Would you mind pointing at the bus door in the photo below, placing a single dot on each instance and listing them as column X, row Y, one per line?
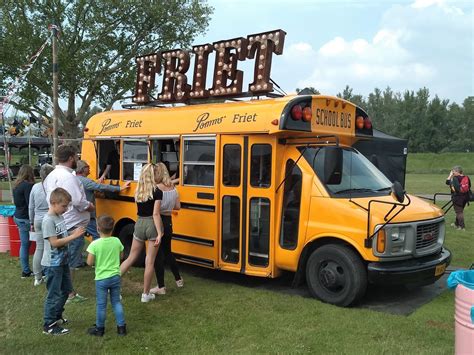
column 246, row 192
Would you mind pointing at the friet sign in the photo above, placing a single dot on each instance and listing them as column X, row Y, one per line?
column 227, row 79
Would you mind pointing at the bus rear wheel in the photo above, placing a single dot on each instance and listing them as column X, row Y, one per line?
column 126, row 237
column 335, row 274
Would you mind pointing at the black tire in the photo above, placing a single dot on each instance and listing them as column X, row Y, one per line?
column 335, row 274
column 126, row 237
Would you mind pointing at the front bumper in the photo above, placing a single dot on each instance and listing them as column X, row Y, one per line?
column 420, row 271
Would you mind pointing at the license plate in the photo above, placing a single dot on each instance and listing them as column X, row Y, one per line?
column 440, row 269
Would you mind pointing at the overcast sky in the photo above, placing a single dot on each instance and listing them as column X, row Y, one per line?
column 365, row 44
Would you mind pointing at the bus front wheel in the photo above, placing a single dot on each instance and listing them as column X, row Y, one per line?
column 335, row 274
column 126, row 237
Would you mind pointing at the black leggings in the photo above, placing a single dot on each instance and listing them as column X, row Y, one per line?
column 165, row 254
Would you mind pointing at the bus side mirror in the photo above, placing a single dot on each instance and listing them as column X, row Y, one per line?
column 332, row 165
column 397, row 192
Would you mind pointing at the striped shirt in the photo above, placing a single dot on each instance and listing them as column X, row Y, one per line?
column 169, row 201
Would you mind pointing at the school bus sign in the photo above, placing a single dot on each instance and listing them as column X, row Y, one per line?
column 227, row 79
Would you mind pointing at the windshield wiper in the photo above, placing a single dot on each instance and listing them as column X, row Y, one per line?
column 353, row 190
column 384, row 189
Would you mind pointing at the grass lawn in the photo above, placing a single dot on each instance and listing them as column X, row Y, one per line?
column 211, row 316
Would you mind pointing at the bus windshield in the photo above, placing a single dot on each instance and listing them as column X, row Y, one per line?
column 358, row 176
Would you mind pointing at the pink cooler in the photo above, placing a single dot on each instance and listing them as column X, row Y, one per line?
column 4, row 235
column 464, row 327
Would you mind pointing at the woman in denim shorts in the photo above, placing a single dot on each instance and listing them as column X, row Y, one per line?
column 149, row 226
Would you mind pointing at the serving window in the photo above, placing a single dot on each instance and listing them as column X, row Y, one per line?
column 135, row 156
column 166, row 150
column 199, row 156
column 108, row 154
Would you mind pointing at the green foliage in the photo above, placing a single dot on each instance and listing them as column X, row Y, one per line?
column 97, row 45
column 430, row 125
column 430, row 163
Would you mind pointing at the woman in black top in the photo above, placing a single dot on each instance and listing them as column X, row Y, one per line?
column 21, row 197
column 149, row 226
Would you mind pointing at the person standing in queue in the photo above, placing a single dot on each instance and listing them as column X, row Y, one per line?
column 21, row 198
column 90, row 186
column 149, row 226
column 169, row 203
column 78, row 212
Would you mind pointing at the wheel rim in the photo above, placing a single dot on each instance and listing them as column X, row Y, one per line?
column 331, row 276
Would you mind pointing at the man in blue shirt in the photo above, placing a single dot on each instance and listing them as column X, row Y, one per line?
column 90, row 186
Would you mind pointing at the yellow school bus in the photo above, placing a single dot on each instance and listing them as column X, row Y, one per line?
column 271, row 185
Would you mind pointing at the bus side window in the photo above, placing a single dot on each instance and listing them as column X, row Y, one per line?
column 109, row 154
column 290, row 214
column 135, row 156
column 198, row 161
column 231, row 165
column 261, row 165
column 167, row 152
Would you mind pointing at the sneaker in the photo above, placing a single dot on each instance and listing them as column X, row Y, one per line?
column 24, row 275
column 62, row 321
column 454, row 225
column 96, row 331
column 40, row 281
column 55, row 329
column 158, row 290
column 460, row 229
column 77, row 298
column 147, row 297
column 180, row 283
column 122, row 330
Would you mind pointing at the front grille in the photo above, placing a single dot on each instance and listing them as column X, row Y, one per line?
column 427, row 235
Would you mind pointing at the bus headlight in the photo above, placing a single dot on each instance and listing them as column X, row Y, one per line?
column 396, row 234
column 395, row 241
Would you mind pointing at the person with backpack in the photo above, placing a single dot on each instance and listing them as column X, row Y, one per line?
column 460, row 186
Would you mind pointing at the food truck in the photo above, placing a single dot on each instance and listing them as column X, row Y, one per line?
column 269, row 184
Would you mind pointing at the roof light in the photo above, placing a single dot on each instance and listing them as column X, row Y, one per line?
column 296, row 112
column 307, row 114
column 367, row 123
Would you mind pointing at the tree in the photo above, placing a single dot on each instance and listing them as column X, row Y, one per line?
column 347, row 95
column 97, row 45
column 308, row 91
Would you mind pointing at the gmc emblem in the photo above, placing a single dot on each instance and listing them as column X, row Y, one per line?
column 427, row 237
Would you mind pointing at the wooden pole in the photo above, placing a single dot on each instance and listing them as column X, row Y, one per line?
column 55, row 90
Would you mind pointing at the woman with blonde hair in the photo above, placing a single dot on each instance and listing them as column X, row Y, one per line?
column 149, row 226
column 21, row 197
column 169, row 202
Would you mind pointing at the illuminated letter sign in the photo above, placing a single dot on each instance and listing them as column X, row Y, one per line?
column 175, row 82
column 147, row 67
column 261, row 46
column 227, row 79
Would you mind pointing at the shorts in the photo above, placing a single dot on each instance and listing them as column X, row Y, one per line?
column 145, row 229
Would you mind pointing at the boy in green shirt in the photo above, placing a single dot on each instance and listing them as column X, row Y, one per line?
column 106, row 252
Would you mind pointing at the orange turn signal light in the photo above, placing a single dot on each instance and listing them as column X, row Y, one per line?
column 359, row 122
column 381, row 241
